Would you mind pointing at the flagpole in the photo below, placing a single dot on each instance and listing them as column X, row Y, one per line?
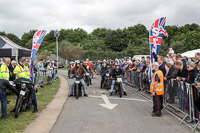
column 57, row 34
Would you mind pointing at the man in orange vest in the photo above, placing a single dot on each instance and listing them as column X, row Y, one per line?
column 157, row 89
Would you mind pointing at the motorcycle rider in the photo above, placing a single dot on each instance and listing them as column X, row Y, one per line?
column 3, row 85
column 70, row 67
column 117, row 71
column 102, row 72
column 78, row 69
column 88, row 70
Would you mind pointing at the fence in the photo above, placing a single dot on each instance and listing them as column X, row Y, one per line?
column 178, row 95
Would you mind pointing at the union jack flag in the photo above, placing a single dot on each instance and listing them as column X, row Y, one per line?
column 37, row 41
column 156, row 33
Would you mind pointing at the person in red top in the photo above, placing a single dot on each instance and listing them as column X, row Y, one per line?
column 89, row 63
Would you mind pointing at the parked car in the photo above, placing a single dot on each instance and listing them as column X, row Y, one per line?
column 60, row 65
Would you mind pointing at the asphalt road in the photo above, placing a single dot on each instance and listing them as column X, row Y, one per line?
column 131, row 115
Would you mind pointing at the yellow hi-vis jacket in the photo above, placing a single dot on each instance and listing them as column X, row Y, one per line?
column 26, row 68
column 160, row 87
column 4, row 72
column 19, row 70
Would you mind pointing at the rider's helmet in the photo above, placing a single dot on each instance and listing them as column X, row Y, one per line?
column 104, row 64
column 116, row 63
column 77, row 62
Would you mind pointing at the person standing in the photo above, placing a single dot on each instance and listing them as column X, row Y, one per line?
column 19, row 70
column 26, row 68
column 40, row 67
column 157, row 89
column 3, row 85
column 11, row 69
column 4, row 69
column 172, row 74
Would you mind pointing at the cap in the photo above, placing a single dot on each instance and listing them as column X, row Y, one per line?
column 22, row 60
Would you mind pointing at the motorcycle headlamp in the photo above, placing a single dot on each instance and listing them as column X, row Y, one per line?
column 23, row 85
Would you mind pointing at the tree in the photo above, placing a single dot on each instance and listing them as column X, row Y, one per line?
column 13, row 37
column 70, row 52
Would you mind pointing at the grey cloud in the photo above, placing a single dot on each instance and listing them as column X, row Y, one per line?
column 21, row 16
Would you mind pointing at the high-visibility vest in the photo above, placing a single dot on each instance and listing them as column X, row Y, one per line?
column 4, row 72
column 26, row 68
column 160, row 87
column 0, row 73
column 88, row 68
column 20, row 71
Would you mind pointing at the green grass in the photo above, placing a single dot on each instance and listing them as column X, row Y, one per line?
column 13, row 125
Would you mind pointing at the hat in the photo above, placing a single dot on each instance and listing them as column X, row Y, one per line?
column 22, row 60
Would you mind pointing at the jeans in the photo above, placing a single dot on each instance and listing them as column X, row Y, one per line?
column 113, row 84
column 34, row 100
column 3, row 103
column 72, row 85
column 39, row 78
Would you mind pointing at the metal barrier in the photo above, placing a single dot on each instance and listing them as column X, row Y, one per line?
column 178, row 95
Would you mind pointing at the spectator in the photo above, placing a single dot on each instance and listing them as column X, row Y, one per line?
column 49, row 72
column 182, row 73
column 179, row 57
column 197, row 57
column 173, row 57
column 162, row 65
column 197, row 81
column 197, row 78
column 173, row 71
column 170, row 76
column 144, row 66
column 140, row 65
column 11, row 69
column 191, row 73
column 40, row 68
column 171, row 51
column 148, row 59
column 1, row 61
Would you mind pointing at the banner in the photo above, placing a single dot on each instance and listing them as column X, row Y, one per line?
column 37, row 40
column 155, row 38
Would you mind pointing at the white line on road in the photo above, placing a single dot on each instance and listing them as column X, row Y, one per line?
column 94, row 91
column 101, row 91
column 129, row 99
column 108, row 105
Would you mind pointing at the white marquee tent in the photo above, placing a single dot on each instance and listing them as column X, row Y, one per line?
column 190, row 53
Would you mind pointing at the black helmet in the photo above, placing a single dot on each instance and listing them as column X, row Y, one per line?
column 77, row 62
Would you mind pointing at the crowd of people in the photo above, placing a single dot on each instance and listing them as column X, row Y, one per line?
column 11, row 70
column 164, row 69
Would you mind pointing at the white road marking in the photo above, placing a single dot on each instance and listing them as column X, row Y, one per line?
column 108, row 105
column 102, row 91
column 94, row 91
column 115, row 98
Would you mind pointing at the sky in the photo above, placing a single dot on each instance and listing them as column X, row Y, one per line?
column 20, row 16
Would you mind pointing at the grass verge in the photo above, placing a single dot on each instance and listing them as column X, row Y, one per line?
column 44, row 96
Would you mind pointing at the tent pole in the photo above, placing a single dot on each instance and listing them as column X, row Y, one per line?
column 16, row 58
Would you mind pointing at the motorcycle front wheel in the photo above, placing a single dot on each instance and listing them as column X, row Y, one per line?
column 18, row 107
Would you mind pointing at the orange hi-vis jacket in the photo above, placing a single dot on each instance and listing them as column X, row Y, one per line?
column 160, row 87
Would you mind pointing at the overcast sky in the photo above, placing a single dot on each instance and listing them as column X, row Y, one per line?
column 19, row 16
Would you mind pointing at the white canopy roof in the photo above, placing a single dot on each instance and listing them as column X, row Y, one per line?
column 190, row 53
